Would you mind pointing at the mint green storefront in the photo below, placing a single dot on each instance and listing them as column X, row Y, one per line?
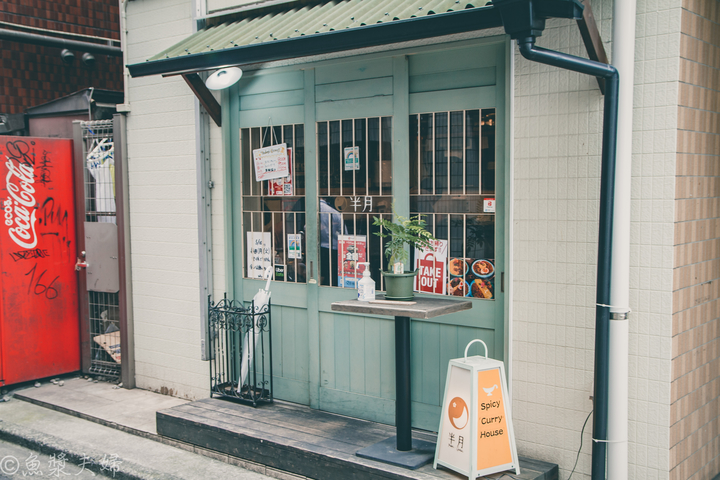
column 431, row 125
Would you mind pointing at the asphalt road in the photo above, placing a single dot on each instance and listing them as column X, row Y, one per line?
column 19, row 462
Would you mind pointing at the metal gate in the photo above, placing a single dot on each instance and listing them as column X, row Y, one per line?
column 98, row 248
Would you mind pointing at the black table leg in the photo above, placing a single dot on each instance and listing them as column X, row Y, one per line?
column 401, row 450
column 403, row 415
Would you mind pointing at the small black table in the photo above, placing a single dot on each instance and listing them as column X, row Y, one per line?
column 402, row 450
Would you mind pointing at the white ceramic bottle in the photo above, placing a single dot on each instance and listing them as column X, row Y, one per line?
column 366, row 286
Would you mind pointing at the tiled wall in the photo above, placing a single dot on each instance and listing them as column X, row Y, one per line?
column 163, row 210
column 695, row 393
column 557, row 147
column 32, row 74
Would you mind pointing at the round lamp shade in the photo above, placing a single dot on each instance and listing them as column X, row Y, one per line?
column 223, row 78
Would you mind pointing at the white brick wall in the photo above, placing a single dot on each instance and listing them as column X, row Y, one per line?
column 163, row 209
column 558, row 132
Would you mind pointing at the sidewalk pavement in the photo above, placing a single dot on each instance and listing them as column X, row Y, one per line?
column 97, row 427
column 108, row 430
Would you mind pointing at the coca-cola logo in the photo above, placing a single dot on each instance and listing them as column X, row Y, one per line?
column 20, row 205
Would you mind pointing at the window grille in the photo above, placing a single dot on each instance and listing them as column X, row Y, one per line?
column 354, row 184
column 452, row 187
column 273, row 213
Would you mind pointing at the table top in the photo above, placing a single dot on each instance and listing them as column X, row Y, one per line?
column 423, row 307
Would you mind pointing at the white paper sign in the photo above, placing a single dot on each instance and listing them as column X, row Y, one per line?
column 294, row 245
column 352, row 158
column 271, row 162
column 259, row 253
column 489, row 205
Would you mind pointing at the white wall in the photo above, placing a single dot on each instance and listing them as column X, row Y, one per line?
column 163, row 209
column 558, row 135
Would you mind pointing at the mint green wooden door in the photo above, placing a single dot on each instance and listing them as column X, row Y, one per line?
column 345, row 363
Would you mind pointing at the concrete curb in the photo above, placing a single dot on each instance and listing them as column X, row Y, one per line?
column 93, row 458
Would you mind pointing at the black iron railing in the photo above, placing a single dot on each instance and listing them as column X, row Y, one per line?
column 240, row 351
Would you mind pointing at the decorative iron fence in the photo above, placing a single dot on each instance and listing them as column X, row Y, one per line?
column 240, row 351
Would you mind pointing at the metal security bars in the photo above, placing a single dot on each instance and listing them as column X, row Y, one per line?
column 99, row 187
column 274, row 210
column 453, row 153
column 354, row 184
column 105, row 331
column 452, row 186
column 98, row 149
column 240, row 351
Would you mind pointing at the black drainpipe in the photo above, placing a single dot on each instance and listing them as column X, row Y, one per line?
column 607, row 188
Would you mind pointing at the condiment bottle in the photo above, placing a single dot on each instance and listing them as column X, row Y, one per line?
column 366, row 286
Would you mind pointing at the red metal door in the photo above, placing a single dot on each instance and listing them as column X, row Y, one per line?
column 39, row 321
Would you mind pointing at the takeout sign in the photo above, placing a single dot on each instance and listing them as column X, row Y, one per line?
column 431, row 268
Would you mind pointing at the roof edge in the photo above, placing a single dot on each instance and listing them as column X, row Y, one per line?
column 480, row 18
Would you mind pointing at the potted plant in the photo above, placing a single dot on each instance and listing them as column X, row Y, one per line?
column 403, row 231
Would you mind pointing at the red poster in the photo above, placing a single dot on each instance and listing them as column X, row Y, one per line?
column 431, row 268
column 39, row 326
column 351, row 254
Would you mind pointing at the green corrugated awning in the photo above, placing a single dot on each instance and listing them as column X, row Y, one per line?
column 309, row 20
column 316, row 28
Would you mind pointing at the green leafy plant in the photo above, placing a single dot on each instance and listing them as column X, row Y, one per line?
column 403, row 231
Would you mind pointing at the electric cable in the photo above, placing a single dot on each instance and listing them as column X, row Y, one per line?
column 582, row 431
column 581, row 441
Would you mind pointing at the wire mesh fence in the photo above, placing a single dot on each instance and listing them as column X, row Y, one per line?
column 99, row 188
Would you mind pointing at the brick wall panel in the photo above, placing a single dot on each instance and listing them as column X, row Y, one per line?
column 696, row 336
column 32, row 74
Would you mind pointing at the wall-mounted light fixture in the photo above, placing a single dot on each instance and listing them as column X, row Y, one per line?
column 88, row 59
column 67, row 56
column 223, row 78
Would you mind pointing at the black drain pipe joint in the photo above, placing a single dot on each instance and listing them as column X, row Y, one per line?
column 607, row 188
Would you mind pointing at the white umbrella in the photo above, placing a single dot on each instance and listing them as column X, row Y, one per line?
column 260, row 300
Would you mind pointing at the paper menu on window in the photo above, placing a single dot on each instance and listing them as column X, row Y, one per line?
column 284, row 185
column 352, row 158
column 294, row 245
column 271, row 162
column 259, row 253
